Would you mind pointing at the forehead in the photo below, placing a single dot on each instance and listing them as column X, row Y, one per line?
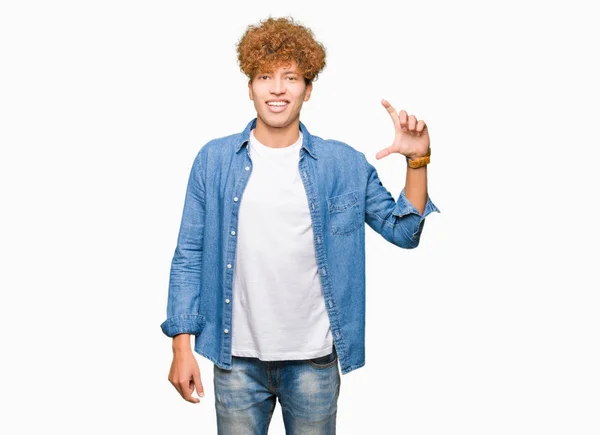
column 282, row 67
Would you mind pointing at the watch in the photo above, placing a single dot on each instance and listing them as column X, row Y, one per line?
column 421, row 161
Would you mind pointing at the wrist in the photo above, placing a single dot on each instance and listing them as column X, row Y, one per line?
column 415, row 162
column 182, row 349
column 418, row 156
column 181, row 343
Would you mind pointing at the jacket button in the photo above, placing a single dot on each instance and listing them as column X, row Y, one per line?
column 229, row 266
column 226, row 331
column 247, row 168
column 233, row 233
column 235, row 199
column 226, row 301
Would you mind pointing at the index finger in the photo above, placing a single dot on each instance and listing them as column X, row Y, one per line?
column 393, row 114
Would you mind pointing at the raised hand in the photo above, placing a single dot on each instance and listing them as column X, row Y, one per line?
column 411, row 138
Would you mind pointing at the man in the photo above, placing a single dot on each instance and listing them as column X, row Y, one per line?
column 269, row 269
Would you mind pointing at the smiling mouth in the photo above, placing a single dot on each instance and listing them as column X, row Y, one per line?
column 277, row 107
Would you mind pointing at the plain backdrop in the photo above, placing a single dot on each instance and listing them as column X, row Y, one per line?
column 489, row 327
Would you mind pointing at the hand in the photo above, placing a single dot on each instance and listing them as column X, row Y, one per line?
column 412, row 136
column 185, row 374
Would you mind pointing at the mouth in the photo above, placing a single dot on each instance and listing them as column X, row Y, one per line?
column 277, row 106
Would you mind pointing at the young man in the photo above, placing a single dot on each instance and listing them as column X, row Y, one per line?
column 269, row 269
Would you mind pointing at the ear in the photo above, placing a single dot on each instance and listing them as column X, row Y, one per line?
column 308, row 91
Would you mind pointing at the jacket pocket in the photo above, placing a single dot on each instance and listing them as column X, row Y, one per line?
column 344, row 213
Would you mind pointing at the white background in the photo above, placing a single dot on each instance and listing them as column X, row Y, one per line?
column 490, row 326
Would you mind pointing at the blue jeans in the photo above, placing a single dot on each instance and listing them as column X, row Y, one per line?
column 308, row 390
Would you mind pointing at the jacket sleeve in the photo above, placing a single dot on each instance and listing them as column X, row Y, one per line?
column 399, row 222
column 183, row 305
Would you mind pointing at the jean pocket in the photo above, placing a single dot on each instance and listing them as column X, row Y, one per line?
column 323, row 362
column 344, row 213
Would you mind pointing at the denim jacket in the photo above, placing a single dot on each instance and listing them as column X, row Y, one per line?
column 343, row 191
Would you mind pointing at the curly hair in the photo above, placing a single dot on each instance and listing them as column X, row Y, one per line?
column 277, row 41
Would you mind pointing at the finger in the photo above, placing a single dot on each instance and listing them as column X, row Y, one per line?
column 412, row 123
column 390, row 109
column 421, row 126
column 198, row 384
column 403, row 119
column 188, row 389
column 383, row 153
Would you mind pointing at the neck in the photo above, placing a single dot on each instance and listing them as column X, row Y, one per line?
column 277, row 137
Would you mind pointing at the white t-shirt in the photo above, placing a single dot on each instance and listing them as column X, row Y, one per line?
column 278, row 305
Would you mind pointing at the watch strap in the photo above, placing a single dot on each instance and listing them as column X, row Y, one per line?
column 419, row 162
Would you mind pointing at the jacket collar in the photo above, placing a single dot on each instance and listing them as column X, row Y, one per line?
column 307, row 143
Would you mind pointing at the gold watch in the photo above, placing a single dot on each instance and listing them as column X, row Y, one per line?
column 421, row 161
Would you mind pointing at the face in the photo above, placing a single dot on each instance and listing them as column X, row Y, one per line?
column 285, row 84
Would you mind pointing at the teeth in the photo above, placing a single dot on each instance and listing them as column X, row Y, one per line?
column 277, row 103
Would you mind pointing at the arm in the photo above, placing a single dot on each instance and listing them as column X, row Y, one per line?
column 399, row 222
column 183, row 307
column 416, row 187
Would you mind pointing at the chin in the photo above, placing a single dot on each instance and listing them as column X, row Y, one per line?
column 272, row 120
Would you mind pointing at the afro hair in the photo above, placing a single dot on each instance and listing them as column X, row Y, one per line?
column 278, row 41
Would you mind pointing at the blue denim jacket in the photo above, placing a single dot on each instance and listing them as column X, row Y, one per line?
column 343, row 191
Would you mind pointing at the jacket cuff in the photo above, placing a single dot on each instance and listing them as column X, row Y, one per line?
column 404, row 207
column 183, row 324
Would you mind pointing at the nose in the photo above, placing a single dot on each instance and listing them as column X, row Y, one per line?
column 277, row 86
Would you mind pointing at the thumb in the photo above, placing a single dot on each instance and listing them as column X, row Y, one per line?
column 198, row 383
column 384, row 153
